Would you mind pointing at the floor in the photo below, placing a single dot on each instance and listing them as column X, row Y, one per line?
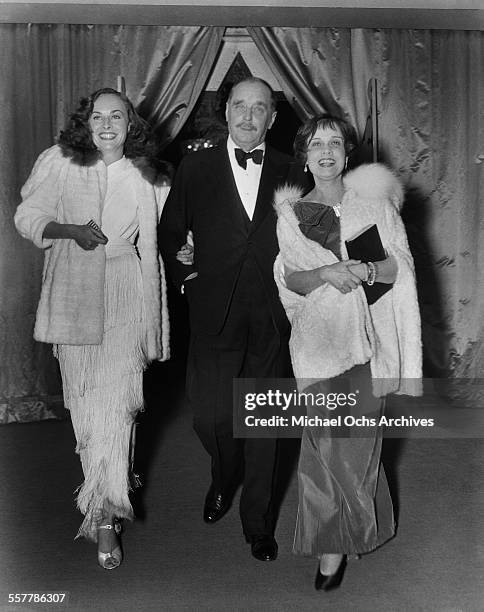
column 173, row 561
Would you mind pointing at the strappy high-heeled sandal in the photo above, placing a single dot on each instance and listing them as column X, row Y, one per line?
column 116, row 555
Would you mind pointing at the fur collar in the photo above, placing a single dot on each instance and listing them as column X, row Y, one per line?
column 157, row 172
column 368, row 181
column 375, row 182
column 80, row 156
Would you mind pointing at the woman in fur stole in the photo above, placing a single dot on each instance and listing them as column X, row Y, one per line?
column 92, row 202
column 341, row 344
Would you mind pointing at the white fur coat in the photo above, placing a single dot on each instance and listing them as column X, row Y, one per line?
column 332, row 331
column 71, row 306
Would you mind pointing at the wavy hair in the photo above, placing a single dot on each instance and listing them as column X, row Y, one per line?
column 76, row 141
column 307, row 130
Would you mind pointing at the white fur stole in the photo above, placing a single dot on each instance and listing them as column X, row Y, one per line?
column 331, row 331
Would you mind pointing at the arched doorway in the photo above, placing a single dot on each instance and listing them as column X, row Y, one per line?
column 238, row 58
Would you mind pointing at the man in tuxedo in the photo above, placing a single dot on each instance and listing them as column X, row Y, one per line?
column 238, row 326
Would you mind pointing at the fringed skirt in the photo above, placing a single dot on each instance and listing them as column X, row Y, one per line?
column 103, row 389
column 344, row 501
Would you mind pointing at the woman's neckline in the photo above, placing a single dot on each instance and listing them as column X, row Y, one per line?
column 335, row 207
column 336, row 204
column 118, row 164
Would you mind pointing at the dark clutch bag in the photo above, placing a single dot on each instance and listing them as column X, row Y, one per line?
column 367, row 246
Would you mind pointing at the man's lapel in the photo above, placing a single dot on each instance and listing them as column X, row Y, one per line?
column 271, row 175
column 226, row 189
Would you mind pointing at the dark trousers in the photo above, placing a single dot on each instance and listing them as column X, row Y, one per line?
column 249, row 345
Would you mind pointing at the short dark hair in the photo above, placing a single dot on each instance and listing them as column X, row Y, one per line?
column 76, row 138
column 307, row 130
column 255, row 80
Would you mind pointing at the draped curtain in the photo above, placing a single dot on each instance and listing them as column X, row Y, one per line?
column 44, row 71
column 431, row 126
column 431, row 132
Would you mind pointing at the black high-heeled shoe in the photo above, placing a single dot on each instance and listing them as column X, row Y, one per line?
column 322, row 582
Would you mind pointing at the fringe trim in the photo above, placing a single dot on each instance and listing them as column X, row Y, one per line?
column 88, row 367
column 103, row 422
column 103, row 389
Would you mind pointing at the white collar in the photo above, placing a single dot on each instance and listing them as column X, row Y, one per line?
column 119, row 165
column 231, row 146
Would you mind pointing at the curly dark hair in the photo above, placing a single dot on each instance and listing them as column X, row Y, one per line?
column 76, row 139
column 307, row 130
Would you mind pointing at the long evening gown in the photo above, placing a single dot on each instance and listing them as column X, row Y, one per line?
column 344, row 501
column 103, row 384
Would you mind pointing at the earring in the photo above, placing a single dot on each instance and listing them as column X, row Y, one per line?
column 306, row 167
column 346, row 163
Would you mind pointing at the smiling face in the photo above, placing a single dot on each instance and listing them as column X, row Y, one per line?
column 109, row 124
column 249, row 114
column 326, row 156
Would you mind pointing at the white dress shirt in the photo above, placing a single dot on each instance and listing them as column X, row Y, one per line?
column 247, row 180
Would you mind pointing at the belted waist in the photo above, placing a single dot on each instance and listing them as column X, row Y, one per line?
column 119, row 246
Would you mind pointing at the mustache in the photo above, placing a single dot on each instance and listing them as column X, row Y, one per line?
column 245, row 125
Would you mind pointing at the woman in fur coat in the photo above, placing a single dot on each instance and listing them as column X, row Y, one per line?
column 340, row 344
column 92, row 202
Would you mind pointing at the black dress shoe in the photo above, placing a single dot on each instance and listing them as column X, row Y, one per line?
column 264, row 548
column 216, row 505
column 322, row 582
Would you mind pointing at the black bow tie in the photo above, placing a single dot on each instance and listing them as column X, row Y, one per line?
column 241, row 156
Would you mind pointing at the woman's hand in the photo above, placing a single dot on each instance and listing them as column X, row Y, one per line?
column 341, row 276
column 185, row 255
column 361, row 271
column 88, row 238
column 387, row 270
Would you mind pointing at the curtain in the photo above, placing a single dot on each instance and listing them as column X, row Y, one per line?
column 45, row 69
column 431, row 132
column 318, row 69
column 177, row 74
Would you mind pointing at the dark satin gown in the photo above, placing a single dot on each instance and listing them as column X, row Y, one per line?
column 344, row 501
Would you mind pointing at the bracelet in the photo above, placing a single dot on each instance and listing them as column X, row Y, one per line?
column 372, row 271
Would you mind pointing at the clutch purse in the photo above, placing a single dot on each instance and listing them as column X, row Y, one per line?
column 367, row 246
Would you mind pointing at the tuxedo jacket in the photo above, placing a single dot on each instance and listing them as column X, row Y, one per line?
column 204, row 198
